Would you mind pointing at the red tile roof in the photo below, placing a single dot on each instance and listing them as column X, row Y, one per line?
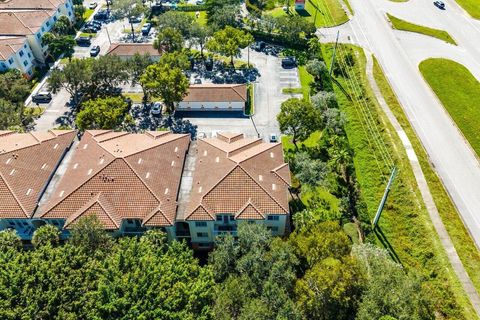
column 217, row 93
column 119, row 175
column 27, row 160
column 245, row 177
column 22, row 23
column 10, row 46
column 129, row 49
column 30, row 4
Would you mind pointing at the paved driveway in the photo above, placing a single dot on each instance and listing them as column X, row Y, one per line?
column 267, row 99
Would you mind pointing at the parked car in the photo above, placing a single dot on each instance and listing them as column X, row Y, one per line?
column 439, row 4
column 42, row 97
column 197, row 81
column 156, row 108
column 288, row 63
column 90, row 29
column 259, row 46
column 94, row 51
column 101, row 15
column 135, row 19
column 84, row 41
column 98, row 24
column 91, row 26
column 273, row 138
column 92, row 5
column 146, row 29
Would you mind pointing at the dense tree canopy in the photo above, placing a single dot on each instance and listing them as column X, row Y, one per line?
column 102, row 113
column 229, row 41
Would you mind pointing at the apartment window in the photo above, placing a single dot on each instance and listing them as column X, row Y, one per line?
column 38, row 36
column 10, row 60
column 69, row 13
column 43, row 30
column 48, row 24
column 2, row 65
column 54, row 18
column 29, row 55
column 202, row 234
column 20, row 53
column 273, row 229
column 25, row 46
column 219, row 218
column 273, row 218
column 25, row 63
column 200, row 223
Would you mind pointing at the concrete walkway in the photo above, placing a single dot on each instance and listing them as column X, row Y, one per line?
column 425, row 192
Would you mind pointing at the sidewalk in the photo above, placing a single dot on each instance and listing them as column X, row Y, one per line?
column 425, row 192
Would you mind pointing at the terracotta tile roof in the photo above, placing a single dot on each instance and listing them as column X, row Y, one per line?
column 129, row 49
column 239, row 176
column 22, row 23
column 217, row 93
column 27, row 160
column 30, row 4
column 10, row 46
column 138, row 174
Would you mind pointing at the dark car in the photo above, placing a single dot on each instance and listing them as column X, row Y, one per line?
column 146, row 29
column 90, row 30
column 94, row 51
column 136, row 19
column 259, row 46
column 101, row 15
column 42, row 97
column 439, row 5
column 288, row 63
column 84, row 41
column 92, row 26
column 209, row 64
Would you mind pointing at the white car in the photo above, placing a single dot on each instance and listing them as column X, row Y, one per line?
column 92, row 5
column 273, row 138
column 156, row 108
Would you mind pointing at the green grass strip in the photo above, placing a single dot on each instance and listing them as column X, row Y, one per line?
column 461, row 239
column 405, row 228
column 400, row 24
column 471, row 6
column 459, row 92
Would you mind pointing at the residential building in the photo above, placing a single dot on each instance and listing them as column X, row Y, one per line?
column 129, row 181
column 214, row 97
column 27, row 163
column 28, row 20
column 235, row 179
column 128, row 50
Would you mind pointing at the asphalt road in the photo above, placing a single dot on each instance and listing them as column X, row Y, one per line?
column 399, row 54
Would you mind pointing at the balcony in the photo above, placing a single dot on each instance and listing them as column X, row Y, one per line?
column 219, row 233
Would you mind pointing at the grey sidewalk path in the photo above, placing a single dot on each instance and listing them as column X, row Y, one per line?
column 425, row 192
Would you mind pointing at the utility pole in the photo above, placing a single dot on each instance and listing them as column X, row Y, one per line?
column 384, row 198
column 334, row 52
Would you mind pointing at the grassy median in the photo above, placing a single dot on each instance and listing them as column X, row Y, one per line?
column 461, row 239
column 471, row 6
column 405, row 228
column 403, row 25
column 459, row 92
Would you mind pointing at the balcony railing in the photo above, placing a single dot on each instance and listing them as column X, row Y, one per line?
column 218, row 233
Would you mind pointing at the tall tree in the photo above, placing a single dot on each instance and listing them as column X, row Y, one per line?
column 169, row 40
column 108, row 73
column 199, row 35
column 47, row 235
column 308, row 171
column 13, row 86
column 74, row 77
column 102, row 113
column 63, row 26
column 176, row 20
column 59, row 44
column 166, row 82
column 299, row 119
column 136, row 67
column 229, row 41
column 10, row 114
column 128, row 9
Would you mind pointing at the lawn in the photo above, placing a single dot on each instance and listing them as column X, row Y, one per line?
column 462, row 241
column 87, row 14
column 405, row 228
column 202, row 17
column 317, row 11
column 305, row 80
column 400, row 24
column 459, row 92
column 471, row 6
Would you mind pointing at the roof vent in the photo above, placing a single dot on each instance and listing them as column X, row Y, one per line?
column 205, row 153
column 55, row 146
column 29, row 191
column 102, row 161
column 85, row 146
column 166, row 190
column 12, row 172
column 61, row 193
column 200, row 189
column 217, row 159
column 260, row 177
column 89, row 172
column 274, row 186
column 139, row 160
column 147, row 175
column 44, row 166
column 173, row 163
column 176, row 149
column 272, row 155
column 8, row 160
column 75, row 166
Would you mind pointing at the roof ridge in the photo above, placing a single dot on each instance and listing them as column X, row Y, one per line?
column 153, row 214
column 247, row 204
column 204, row 206
column 275, row 172
column 100, row 194
column 14, row 195
column 250, row 146
column 234, row 89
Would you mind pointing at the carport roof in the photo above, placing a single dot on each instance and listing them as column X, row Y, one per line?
column 217, row 93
